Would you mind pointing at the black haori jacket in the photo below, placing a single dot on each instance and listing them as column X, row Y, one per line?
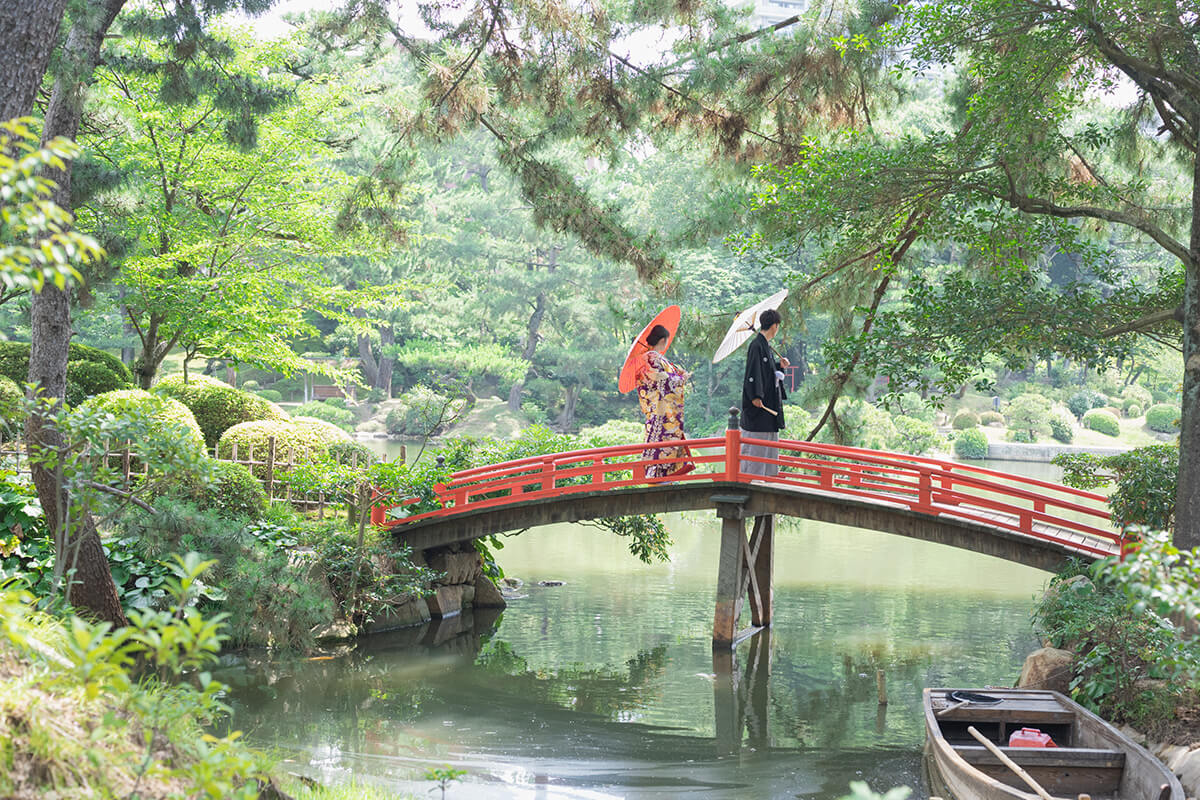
column 760, row 381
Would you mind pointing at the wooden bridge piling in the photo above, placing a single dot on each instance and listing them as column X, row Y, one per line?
column 744, row 571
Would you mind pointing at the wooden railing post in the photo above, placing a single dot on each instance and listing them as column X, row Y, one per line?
column 547, row 473
column 733, row 447
column 270, row 465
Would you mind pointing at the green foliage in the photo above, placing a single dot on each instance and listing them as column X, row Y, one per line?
column 971, row 443
column 37, row 245
column 217, row 405
column 615, row 432
column 859, row 424
column 12, row 407
column 234, row 492
column 122, row 696
column 1133, row 410
column 341, row 416
column 1084, row 400
column 270, row 395
column 382, row 575
column 1102, row 421
column 327, row 432
column 444, row 776
column 89, row 370
column 423, row 411
column 915, row 436
column 1163, row 418
column 1144, row 478
column 250, row 386
column 169, row 414
column 355, row 453
column 26, row 550
column 964, row 419
column 1134, row 395
column 991, row 417
column 1062, row 425
column 292, row 441
column 1030, row 415
column 422, row 357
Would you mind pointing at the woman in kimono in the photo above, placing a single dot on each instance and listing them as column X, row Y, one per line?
column 660, row 394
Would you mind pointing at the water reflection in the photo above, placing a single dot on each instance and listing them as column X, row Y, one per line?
column 608, row 686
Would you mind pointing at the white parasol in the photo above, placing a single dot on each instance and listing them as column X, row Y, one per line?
column 745, row 325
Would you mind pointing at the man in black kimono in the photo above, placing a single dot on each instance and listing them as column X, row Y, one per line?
column 763, row 396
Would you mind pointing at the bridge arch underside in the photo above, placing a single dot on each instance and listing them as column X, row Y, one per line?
column 727, row 498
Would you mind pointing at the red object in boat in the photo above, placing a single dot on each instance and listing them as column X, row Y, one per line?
column 1030, row 737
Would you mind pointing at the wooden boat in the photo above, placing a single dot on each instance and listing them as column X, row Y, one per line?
column 1090, row 757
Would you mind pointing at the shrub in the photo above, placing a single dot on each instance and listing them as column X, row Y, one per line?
column 971, row 443
column 250, row 386
column 911, row 404
column 305, row 444
column 964, row 419
column 350, row 452
column 915, row 436
column 327, row 432
column 1102, row 421
column 1084, row 400
column 89, row 371
column 1062, row 425
column 270, row 395
column 217, row 405
column 423, row 411
column 12, row 405
column 1163, row 418
column 1133, row 410
column 235, row 492
column 991, row 418
column 1134, row 395
column 614, row 432
column 165, row 411
column 340, row 416
column 1030, row 415
column 1144, row 481
column 860, row 425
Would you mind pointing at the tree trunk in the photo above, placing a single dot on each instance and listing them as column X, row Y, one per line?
column 531, row 343
column 93, row 590
column 387, row 339
column 28, row 34
column 566, row 420
column 1187, row 498
column 370, row 366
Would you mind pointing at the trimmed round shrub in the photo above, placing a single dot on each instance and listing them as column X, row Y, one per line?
column 12, row 405
column 991, row 418
column 340, row 416
column 1085, row 400
column 250, row 386
column 971, row 443
column 217, row 405
column 90, row 371
column 165, row 411
column 235, row 492
column 964, row 419
column 1133, row 410
column 1163, row 418
column 327, row 432
column 291, row 440
column 1102, row 421
column 355, row 453
column 270, row 395
column 1062, row 425
column 1134, row 395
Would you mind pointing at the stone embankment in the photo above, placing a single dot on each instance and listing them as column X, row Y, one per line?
column 1017, row 451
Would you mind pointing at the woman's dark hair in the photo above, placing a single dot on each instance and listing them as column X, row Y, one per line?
column 656, row 335
column 768, row 318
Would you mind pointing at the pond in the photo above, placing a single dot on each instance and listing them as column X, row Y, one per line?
column 606, row 686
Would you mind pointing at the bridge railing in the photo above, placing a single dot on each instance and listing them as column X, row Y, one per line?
column 937, row 487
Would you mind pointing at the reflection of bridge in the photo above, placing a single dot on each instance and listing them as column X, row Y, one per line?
column 1021, row 519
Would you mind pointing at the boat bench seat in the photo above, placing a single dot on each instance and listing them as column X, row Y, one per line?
column 1062, row 770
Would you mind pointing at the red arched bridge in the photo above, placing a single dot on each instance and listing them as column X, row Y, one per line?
column 1026, row 520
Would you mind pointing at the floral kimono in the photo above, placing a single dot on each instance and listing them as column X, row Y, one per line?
column 661, row 400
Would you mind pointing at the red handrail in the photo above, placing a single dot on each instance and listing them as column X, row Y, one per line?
column 920, row 483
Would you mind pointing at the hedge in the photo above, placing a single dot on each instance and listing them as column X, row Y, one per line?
column 971, row 443
column 1163, row 418
column 327, row 432
column 966, row 418
column 12, row 405
column 235, row 492
column 217, row 405
column 339, row 415
column 1102, row 421
column 90, row 371
column 352, row 453
column 290, row 439
column 165, row 411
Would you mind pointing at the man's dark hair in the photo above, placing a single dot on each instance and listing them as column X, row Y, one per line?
column 768, row 318
column 656, row 335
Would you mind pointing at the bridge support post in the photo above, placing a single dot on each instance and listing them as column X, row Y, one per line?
column 740, row 699
column 744, row 571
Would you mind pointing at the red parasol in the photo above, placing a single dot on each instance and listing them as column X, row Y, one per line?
column 669, row 319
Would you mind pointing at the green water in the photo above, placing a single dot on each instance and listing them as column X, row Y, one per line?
column 606, row 686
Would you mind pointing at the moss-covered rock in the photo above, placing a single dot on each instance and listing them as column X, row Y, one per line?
column 217, row 405
column 291, row 441
column 90, row 371
column 165, row 411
